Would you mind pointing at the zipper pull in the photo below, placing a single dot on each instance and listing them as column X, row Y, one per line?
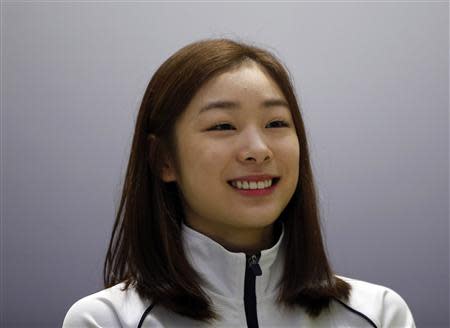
column 254, row 265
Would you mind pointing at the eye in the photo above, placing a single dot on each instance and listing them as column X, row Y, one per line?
column 228, row 126
column 220, row 127
column 280, row 124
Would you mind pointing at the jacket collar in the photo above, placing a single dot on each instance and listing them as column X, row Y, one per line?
column 224, row 271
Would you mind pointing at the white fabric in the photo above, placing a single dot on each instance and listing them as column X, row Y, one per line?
column 224, row 274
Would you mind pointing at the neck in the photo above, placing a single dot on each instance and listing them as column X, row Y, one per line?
column 224, row 271
column 243, row 240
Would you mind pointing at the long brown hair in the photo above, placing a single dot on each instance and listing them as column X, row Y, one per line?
column 145, row 247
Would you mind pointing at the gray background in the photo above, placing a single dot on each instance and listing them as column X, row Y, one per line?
column 373, row 82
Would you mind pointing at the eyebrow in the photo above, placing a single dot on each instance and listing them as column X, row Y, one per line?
column 225, row 104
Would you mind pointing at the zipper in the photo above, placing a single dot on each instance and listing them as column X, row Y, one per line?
column 252, row 269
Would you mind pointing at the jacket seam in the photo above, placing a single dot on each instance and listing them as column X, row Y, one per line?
column 144, row 315
column 356, row 312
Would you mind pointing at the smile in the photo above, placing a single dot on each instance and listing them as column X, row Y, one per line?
column 252, row 185
column 251, row 188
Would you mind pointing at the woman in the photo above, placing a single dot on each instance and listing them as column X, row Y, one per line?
column 218, row 224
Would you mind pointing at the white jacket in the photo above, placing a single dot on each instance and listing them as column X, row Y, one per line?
column 369, row 305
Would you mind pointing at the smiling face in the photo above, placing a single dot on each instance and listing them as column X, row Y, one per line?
column 238, row 124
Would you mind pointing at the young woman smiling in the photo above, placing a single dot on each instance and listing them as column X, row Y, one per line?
column 218, row 224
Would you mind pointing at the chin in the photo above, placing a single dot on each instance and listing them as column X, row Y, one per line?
column 258, row 222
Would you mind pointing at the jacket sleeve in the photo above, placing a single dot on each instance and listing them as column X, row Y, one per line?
column 91, row 312
column 395, row 312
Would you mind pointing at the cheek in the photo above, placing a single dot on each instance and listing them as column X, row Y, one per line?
column 288, row 149
column 203, row 158
column 289, row 156
column 213, row 158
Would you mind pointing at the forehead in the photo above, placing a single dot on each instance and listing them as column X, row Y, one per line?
column 247, row 83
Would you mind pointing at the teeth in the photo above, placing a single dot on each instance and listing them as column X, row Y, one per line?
column 252, row 184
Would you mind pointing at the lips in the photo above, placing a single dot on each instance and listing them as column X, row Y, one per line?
column 274, row 180
column 255, row 178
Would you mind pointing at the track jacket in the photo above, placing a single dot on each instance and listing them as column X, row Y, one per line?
column 243, row 289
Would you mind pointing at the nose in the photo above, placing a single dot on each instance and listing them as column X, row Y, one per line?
column 255, row 149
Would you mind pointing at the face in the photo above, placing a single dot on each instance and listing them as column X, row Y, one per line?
column 237, row 125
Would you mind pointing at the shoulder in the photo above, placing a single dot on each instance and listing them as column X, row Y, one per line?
column 111, row 307
column 381, row 304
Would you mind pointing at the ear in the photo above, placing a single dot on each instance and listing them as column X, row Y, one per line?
column 167, row 173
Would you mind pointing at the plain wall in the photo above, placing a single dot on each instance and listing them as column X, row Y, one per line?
column 372, row 80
